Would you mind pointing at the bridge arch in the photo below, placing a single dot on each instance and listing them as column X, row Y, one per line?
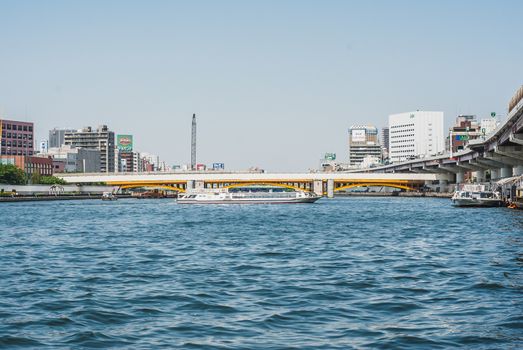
column 371, row 184
column 164, row 187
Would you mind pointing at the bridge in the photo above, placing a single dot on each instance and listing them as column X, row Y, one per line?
column 320, row 183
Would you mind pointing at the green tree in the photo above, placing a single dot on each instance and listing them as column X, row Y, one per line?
column 51, row 180
column 35, row 178
column 11, row 175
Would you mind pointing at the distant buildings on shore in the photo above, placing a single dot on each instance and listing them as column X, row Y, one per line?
column 72, row 150
column 17, row 148
column 408, row 135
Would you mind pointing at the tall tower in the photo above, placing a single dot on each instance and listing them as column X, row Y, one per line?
column 193, row 143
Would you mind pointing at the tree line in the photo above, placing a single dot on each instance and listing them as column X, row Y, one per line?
column 11, row 175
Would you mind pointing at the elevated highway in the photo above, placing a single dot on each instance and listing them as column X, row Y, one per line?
column 499, row 155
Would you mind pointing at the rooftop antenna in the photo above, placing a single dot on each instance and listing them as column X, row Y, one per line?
column 193, row 143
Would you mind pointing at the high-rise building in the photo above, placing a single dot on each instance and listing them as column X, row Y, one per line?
column 415, row 134
column 81, row 160
column 363, row 144
column 384, row 140
column 127, row 158
column 16, row 138
column 57, row 137
column 101, row 139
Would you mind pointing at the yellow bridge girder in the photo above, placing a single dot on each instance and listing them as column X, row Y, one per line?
column 163, row 187
column 166, row 185
column 402, row 186
column 297, row 185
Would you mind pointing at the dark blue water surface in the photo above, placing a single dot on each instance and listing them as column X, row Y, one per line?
column 354, row 273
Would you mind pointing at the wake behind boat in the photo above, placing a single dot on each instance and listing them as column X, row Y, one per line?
column 264, row 196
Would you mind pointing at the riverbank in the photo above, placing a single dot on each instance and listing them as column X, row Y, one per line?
column 55, row 197
column 395, row 194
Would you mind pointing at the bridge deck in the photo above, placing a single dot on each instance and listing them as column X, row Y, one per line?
column 238, row 176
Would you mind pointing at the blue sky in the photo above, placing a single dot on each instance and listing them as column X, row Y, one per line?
column 274, row 84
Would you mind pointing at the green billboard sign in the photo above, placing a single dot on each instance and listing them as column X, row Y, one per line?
column 124, row 143
column 330, row 156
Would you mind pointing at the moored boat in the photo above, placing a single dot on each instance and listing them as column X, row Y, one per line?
column 476, row 196
column 109, row 196
column 269, row 196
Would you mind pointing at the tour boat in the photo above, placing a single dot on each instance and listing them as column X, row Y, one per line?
column 266, row 196
column 476, row 196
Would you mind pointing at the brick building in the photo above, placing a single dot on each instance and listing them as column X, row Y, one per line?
column 30, row 164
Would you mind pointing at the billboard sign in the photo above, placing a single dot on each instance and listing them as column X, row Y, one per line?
column 358, row 135
column 218, row 166
column 330, row 156
column 124, row 143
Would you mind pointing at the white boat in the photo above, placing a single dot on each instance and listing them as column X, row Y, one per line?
column 265, row 196
column 476, row 196
column 109, row 196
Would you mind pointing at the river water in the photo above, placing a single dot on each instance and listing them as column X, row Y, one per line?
column 347, row 273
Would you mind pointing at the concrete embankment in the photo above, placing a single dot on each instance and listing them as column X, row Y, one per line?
column 395, row 194
column 54, row 198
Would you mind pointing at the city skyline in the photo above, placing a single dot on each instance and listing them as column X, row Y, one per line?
column 267, row 92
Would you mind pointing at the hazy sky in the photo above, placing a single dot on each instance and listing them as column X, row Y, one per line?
column 274, row 84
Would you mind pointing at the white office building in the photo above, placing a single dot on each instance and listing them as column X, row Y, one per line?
column 416, row 134
column 363, row 142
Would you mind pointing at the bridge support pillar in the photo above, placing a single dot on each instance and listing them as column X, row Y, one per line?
column 479, row 175
column 443, row 186
column 494, row 174
column 517, row 170
column 330, row 188
column 460, row 177
column 506, row 172
column 318, row 187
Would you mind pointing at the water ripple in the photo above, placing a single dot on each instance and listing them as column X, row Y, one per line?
column 356, row 273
